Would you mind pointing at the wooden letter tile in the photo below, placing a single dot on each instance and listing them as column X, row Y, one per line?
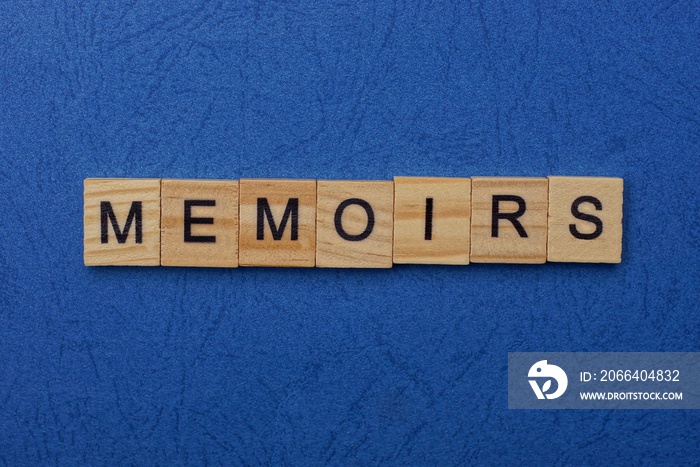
column 355, row 224
column 431, row 220
column 199, row 222
column 509, row 220
column 121, row 222
column 277, row 223
column 585, row 219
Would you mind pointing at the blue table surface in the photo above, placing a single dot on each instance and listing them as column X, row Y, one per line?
column 292, row 366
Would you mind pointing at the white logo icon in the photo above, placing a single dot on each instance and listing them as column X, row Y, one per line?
column 542, row 369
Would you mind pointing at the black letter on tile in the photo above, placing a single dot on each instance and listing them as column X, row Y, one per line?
column 428, row 218
column 189, row 220
column 264, row 211
column 339, row 219
column 106, row 212
column 586, row 217
column 496, row 215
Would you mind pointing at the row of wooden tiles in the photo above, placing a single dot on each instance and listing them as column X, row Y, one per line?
column 352, row 224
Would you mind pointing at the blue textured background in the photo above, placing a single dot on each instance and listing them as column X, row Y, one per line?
column 402, row 366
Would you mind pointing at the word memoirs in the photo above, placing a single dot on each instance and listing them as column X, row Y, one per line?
column 351, row 224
